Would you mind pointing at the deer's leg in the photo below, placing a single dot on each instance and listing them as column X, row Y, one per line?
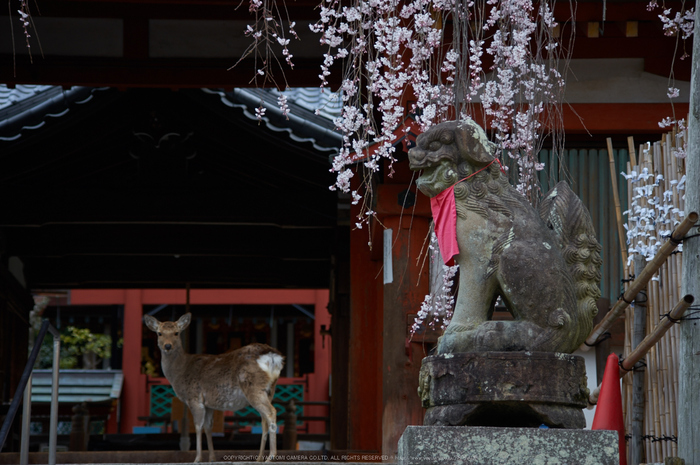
column 272, row 422
column 260, row 401
column 208, row 423
column 272, row 428
column 263, row 439
column 198, row 414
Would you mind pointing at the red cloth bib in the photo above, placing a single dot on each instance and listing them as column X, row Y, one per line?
column 445, row 219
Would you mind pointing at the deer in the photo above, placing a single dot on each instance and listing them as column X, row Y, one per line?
column 229, row 381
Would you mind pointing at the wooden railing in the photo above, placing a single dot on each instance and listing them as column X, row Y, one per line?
column 290, row 434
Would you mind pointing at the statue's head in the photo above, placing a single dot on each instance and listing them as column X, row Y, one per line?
column 449, row 151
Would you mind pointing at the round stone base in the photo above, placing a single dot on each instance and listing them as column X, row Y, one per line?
column 525, row 389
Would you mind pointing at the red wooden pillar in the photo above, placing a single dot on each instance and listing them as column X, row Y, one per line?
column 134, row 401
column 318, row 380
column 403, row 296
column 134, row 396
column 365, row 351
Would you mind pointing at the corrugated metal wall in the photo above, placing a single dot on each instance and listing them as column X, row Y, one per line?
column 588, row 173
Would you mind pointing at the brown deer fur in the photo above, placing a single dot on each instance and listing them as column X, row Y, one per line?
column 230, row 381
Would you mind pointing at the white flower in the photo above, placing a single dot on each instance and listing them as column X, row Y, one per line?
column 260, row 112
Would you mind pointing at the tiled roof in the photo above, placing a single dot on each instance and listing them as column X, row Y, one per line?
column 27, row 107
column 320, row 101
column 302, row 124
column 12, row 96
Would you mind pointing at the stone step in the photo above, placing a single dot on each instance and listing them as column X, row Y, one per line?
column 472, row 445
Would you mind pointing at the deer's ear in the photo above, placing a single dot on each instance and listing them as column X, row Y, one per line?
column 151, row 323
column 184, row 321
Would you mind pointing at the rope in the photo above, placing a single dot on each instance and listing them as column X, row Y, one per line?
column 639, row 366
column 646, row 437
column 696, row 311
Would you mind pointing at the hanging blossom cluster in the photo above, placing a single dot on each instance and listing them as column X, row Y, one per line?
column 490, row 60
column 385, row 56
column 652, row 214
column 25, row 17
column 437, row 308
column 268, row 36
column 389, row 59
column 523, row 85
column 682, row 26
column 667, row 122
column 681, row 23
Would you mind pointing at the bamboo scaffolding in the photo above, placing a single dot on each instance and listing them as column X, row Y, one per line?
column 650, row 340
column 656, row 203
column 643, row 278
column 660, row 417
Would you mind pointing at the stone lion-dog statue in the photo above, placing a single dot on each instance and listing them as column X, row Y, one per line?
column 545, row 264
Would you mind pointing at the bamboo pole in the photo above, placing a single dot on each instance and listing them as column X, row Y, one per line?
column 653, row 367
column 663, row 418
column 676, row 330
column 636, row 444
column 668, row 358
column 626, row 383
column 648, row 418
column 618, row 211
column 649, row 341
column 630, row 148
column 644, row 277
column 646, row 163
column 666, row 322
column 671, row 282
column 649, row 373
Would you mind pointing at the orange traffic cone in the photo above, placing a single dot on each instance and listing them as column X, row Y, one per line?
column 608, row 412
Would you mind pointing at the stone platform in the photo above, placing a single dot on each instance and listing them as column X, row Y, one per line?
column 509, row 389
column 476, row 445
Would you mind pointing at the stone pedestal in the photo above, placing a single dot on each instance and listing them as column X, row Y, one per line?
column 511, row 389
column 469, row 445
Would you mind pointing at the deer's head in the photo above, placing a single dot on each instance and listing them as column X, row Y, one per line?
column 168, row 331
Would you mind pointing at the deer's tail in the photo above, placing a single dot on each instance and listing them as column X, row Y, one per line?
column 271, row 363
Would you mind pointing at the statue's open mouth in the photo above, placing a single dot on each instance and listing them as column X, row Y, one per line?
column 436, row 178
column 427, row 179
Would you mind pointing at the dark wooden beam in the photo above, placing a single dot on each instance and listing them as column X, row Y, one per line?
column 154, row 73
column 167, row 9
column 136, row 38
column 612, row 10
column 229, row 240
column 171, row 272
